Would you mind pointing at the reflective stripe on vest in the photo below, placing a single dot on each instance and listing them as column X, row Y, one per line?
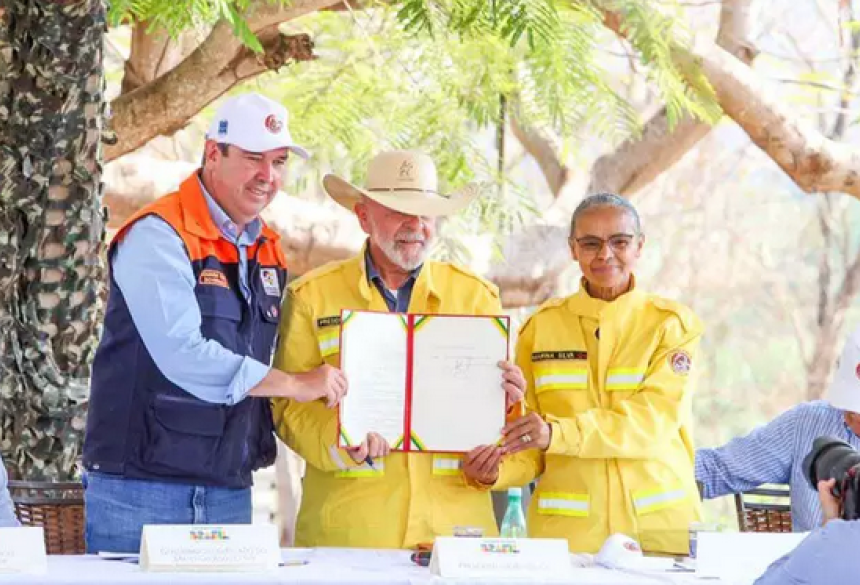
column 560, row 377
column 364, row 470
column 447, row 465
column 624, row 378
column 647, row 501
column 338, row 460
column 329, row 343
column 563, row 504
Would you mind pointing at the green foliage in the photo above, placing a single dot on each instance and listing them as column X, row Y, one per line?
column 656, row 36
column 430, row 75
column 175, row 16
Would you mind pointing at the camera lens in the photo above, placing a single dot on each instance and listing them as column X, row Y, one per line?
column 829, row 458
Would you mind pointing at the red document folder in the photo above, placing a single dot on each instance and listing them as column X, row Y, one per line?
column 424, row 382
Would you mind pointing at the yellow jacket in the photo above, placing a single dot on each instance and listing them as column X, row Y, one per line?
column 410, row 498
column 618, row 401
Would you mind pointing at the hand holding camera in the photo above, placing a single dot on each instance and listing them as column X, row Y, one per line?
column 833, row 468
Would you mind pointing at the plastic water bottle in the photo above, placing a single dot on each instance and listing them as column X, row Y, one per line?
column 514, row 522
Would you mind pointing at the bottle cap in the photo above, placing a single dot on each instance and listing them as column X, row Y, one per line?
column 515, row 492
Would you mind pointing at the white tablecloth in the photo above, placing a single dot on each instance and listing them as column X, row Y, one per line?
column 349, row 566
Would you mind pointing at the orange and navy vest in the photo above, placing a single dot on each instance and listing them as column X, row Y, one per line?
column 142, row 426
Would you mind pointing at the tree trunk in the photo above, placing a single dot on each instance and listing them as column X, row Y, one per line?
column 51, row 227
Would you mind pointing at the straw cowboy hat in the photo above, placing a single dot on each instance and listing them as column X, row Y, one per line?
column 404, row 181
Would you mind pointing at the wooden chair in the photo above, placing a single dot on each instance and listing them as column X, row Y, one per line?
column 764, row 509
column 58, row 507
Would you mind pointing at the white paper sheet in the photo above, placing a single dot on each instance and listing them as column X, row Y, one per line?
column 373, row 358
column 458, row 402
column 741, row 557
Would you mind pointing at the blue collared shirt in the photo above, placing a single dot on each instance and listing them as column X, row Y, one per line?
column 828, row 555
column 7, row 511
column 152, row 271
column 774, row 453
column 399, row 303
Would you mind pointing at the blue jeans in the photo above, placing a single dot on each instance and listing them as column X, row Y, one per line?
column 117, row 508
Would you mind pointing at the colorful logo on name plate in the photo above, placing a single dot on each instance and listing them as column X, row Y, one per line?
column 197, row 534
column 500, row 548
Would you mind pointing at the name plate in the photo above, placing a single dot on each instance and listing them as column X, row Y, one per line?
column 530, row 559
column 203, row 547
column 22, row 550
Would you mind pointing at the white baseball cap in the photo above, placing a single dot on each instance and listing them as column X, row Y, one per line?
column 254, row 123
column 844, row 391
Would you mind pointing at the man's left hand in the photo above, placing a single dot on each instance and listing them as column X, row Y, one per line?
column 513, row 382
column 830, row 506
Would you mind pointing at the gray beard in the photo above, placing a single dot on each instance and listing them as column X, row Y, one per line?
column 399, row 258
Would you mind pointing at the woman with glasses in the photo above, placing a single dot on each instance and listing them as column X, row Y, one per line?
column 609, row 373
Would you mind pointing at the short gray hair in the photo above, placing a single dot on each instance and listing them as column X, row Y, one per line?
column 605, row 200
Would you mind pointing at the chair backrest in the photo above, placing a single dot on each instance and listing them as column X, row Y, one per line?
column 764, row 509
column 58, row 507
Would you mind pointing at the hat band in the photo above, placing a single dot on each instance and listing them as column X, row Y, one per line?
column 390, row 189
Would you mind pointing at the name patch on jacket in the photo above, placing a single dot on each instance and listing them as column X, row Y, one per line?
column 328, row 321
column 213, row 277
column 269, row 276
column 570, row 354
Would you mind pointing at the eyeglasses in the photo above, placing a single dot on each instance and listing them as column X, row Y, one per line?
column 619, row 243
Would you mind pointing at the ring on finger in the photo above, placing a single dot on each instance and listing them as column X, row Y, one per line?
column 526, row 438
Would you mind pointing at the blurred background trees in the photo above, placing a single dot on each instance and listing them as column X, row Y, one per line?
column 731, row 124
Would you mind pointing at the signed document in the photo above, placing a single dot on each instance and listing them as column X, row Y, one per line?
column 424, row 382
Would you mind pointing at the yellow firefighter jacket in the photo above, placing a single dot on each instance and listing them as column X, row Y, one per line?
column 408, row 498
column 614, row 381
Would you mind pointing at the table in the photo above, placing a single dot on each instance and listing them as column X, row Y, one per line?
column 349, row 566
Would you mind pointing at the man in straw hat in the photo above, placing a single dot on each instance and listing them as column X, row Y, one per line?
column 401, row 499
column 774, row 453
column 179, row 413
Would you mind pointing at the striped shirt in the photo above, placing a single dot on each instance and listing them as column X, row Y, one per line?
column 774, row 453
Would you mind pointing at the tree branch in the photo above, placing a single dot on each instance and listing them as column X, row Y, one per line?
column 153, row 53
column 638, row 161
column 544, row 147
column 813, row 161
column 220, row 62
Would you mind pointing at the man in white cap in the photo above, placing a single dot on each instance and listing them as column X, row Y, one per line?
column 179, row 413
column 392, row 499
column 774, row 453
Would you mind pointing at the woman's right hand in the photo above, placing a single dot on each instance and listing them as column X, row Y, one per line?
column 482, row 464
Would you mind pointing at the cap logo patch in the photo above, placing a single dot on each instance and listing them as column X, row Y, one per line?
column 857, row 371
column 681, row 362
column 407, row 171
column 273, row 124
column 222, row 127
